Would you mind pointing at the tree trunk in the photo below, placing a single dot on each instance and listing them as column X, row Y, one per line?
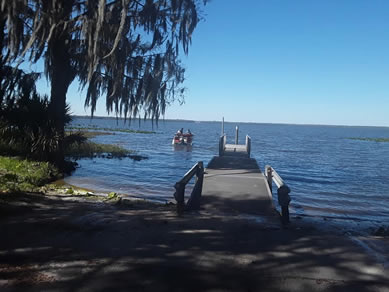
column 61, row 76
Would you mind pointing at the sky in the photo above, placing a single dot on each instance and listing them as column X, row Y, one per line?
column 284, row 61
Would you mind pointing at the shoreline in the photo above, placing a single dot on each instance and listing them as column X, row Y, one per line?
column 62, row 188
column 346, row 224
column 83, row 190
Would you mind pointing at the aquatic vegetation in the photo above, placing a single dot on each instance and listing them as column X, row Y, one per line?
column 370, row 139
column 89, row 134
column 95, row 128
column 18, row 174
column 112, row 195
column 88, row 149
column 91, row 150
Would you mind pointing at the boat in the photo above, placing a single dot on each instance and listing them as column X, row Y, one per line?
column 182, row 139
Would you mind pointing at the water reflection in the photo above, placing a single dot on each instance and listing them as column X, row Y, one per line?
column 186, row 148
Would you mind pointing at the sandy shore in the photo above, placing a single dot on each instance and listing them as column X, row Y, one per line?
column 70, row 243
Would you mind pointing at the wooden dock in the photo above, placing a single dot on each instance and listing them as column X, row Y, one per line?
column 233, row 183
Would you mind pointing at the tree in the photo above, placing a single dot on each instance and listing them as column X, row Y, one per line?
column 127, row 50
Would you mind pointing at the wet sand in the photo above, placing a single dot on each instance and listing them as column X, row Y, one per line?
column 70, row 243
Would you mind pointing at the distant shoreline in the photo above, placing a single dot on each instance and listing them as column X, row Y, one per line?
column 227, row 122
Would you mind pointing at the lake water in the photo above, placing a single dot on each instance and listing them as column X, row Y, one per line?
column 329, row 174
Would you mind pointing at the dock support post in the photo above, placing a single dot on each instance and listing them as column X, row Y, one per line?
column 236, row 135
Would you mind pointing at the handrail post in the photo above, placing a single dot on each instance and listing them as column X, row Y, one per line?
column 282, row 192
column 236, row 135
column 223, row 127
column 200, row 175
column 284, row 200
column 179, row 195
column 195, row 197
column 249, row 151
column 248, row 145
column 222, row 145
column 269, row 176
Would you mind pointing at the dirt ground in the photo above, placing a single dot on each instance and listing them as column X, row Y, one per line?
column 65, row 243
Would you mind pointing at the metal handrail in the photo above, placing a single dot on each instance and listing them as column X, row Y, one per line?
column 282, row 191
column 194, row 199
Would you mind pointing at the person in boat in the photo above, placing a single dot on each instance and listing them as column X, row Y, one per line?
column 188, row 137
column 178, row 137
column 188, row 133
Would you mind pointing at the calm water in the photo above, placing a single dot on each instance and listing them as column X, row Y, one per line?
column 329, row 174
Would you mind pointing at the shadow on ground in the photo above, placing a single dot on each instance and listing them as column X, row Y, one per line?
column 52, row 244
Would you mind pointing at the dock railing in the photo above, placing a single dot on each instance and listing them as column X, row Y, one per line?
column 282, row 192
column 194, row 199
column 223, row 142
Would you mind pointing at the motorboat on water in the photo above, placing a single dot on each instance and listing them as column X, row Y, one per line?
column 182, row 139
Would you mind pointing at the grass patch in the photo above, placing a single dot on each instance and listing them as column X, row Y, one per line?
column 370, row 139
column 110, row 130
column 18, row 174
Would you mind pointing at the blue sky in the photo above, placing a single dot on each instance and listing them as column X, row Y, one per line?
column 285, row 61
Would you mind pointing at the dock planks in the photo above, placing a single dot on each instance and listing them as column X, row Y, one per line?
column 235, row 150
column 234, row 183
